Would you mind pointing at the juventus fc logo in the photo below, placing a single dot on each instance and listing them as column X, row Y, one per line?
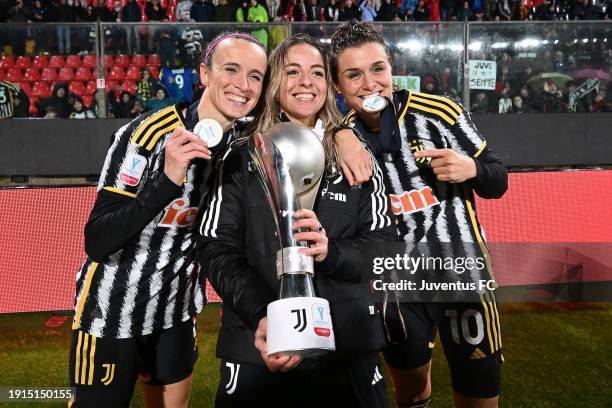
column 110, row 373
column 301, row 319
column 230, row 387
column 416, row 146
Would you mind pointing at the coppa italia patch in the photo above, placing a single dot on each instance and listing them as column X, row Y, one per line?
column 321, row 320
column 132, row 169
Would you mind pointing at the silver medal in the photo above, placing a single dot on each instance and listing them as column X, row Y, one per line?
column 374, row 104
column 210, row 131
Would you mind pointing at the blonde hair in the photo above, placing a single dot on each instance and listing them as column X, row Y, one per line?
column 270, row 113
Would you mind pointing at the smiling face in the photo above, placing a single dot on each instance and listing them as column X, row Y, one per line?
column 234, row 78
column 303, row 86
column 363, row 71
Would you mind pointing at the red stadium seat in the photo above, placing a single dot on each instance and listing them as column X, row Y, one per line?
column 122, row 61
column 154, row 60
column 40, row 61
column 139, row 61
column 14, row 75
column 7, row 61
column 73, row 61
column 129, row 86
column 108, row 61
column 2, row 74
column 82, row 74
column 76, row 88
column 23, row 62
column 91, row 88
column 87, row 100
column 116, row 74
column 154, row 71
column 41, row 89
column 66, row 74
column 25, row 87
column 49, row 74
column 33, row 111
column 56, row 61
column 89, row 61
column 133, row 73
column 31, row 75
column 111, row 85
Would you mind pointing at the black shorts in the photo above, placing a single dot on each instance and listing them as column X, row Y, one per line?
column 471, row 338
column 355, row 383
column 104, row 370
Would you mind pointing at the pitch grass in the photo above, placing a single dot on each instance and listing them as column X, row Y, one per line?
column 557, row 355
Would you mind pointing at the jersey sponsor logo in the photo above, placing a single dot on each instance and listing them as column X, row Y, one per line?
column 321, row 320
column 413, row 201
column 132, row 169
column 334, row 196
column 177, row 214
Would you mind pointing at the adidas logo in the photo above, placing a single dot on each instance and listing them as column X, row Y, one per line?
column 377, row 376
column 477, row 354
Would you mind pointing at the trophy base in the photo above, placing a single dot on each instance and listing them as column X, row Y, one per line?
column 300, row 326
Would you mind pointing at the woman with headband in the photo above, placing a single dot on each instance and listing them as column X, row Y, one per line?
column 346, row 230
column 140, row 288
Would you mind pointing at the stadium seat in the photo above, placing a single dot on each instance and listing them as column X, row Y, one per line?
column 23, row 62
column 41, row 89
column 76, row 88
column 122, row 61
column 66, row 74
column 133, row 73
column 14, row 75
column 49, row 74
column 108, row 61
column 82, row 74
column 116, row 74
column 2, row 74
column 73, row 61
column 40, row 61
column 56, row 61
column 154, row 71
column 129, row 86
column 111, row 85
column 139, row 61
column 89, row 61
column 91, row 88
column 33, row 111
column 25, row 87
column 87, row 100
column 154, row 60
column 7, row 61
column 31, row 75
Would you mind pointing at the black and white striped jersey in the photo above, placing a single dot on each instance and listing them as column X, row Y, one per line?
column 8, row 92
column 429, row 211
column 141, row 276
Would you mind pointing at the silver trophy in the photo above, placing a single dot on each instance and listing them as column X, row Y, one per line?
column 290, row 161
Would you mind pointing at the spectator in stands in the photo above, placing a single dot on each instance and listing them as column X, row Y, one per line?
column 131, row 13
column 447, row 8
column 223, row 12
column 313, row 11
column 39, row 15
column 504, row 103
column 600, row 102
column 166, row 38
column 421, row 13
column 368, row 14
column 138, row 108
column 528, row 100
column 146, row 85
column 183, row 11
column 428, row 85
column 19, row 13
column 104, row 14
column 550, row 99
column 50, row 113
column 79, row 13
column 155, row 13
column 331, row 10
column 242, row 11
column 581, row 105
column 162, row 99
column 387, row 11
column 480, row 103
column 465, row 13
column 61, row 12
column 518, row 106
column 202, row 11
column 583, row 10
column 14, row 103
column 123, row 107
column 58, row 100
column 257, row 13
column 79, row 111
column 349, row 11
column 434, row 9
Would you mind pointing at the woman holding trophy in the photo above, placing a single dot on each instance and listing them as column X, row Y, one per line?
column 239, row 249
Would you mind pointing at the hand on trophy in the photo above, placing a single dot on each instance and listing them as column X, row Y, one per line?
column 316, row 236
column 183, row 146
column 276, row 362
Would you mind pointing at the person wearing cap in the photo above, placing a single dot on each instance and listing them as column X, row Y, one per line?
column 140, row 288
